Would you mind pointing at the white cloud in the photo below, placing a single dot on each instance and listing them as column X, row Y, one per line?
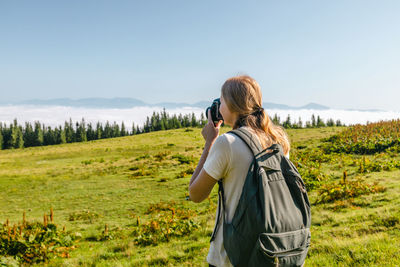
column 57, row 115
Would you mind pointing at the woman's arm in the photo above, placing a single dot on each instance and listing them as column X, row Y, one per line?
column 202, row 183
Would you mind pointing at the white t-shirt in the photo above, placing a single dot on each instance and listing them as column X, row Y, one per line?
column 229, row 158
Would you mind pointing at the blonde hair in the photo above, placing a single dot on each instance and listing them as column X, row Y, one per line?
column 242, row 95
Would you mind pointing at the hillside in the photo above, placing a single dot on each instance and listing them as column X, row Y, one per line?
column 137, row 185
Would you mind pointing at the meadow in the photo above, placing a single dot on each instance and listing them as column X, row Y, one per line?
column 122, row 201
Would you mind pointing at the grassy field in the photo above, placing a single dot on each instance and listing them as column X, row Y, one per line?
column 141, row 181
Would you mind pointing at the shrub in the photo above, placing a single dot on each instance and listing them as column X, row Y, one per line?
column 84, row 215
column 166, row 221
column 34, row 242
column 188, row 171
column 366, row 139
column 183, row 159
column 346, row 189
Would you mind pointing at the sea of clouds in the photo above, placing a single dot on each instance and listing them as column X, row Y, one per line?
column 57, row 115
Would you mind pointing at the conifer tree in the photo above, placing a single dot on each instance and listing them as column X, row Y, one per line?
column 1, row 137
column 276, row 120
column 123, row 130
column 90, row 134
column 330, row 122
column 203, row 120
column 320, row 122
column 29, row 135
column 99, row 130
column 82, row 131
column 116, row 131
column 49, row 136
column 300, row 123
column 287, row 123
column 17, row 140
column 133, row 129
column 313, row 123
column 107, row 130
column 63, row 136
column 6, row 133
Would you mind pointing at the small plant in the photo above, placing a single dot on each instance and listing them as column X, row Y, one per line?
column 387, row 221
column 183, row 159
column 87, row 162
column 34, row 242
column 366, row 139
column 145, row 156
column 84, row 215
column 346, row 189
column 167, row 221
column 377, row 164
column 161, row 155
column 187, row 172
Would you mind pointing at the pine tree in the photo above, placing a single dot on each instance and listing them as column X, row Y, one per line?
column 49, row 136
column 330, row 122
column 82, row 131
column 123, row 130
column 133, row 129
column 29, row 135
column 276, row 120
column 116, row 130
column 300, row 123
column 99, row 130
column 107, row 131
column 203, row 120
column 313, row 123
column 147, row 125
column 287, row 123
column 17, row 140
column 320, row 122
column 1, row 137
column 90, row 134
column 69, row 131
column 63, row 136
column 6, row 135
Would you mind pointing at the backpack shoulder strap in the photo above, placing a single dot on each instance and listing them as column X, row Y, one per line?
column 249, row 139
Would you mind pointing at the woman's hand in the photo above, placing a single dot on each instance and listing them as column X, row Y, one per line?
column 210, row 132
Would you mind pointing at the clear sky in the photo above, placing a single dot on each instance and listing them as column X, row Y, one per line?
column 343, row 54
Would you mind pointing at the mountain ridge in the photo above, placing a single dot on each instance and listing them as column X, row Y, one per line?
column 127, row 102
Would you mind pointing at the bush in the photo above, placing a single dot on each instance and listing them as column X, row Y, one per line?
column 366, row 139
column 34, row 242
column 346, row 189
column 183, row 159
column 167, row 221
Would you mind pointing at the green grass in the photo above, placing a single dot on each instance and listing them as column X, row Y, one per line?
column 114, row 182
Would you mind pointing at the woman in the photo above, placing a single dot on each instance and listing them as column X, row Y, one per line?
column 227, row 157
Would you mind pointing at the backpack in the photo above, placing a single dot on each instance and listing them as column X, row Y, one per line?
column 271, row 224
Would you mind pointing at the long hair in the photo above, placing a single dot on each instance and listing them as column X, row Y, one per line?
column 242, row 95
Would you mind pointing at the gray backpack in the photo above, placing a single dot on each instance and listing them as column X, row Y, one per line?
column 271, row 224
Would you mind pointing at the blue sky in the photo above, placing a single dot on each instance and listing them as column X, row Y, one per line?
column 343, row 54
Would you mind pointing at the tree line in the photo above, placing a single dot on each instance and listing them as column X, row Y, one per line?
column 38, row 134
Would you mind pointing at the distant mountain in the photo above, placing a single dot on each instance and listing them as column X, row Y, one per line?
column 308, row 106
column 88, row 102
column 123, row 102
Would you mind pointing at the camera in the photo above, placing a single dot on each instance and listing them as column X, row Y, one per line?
column 215, row 114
